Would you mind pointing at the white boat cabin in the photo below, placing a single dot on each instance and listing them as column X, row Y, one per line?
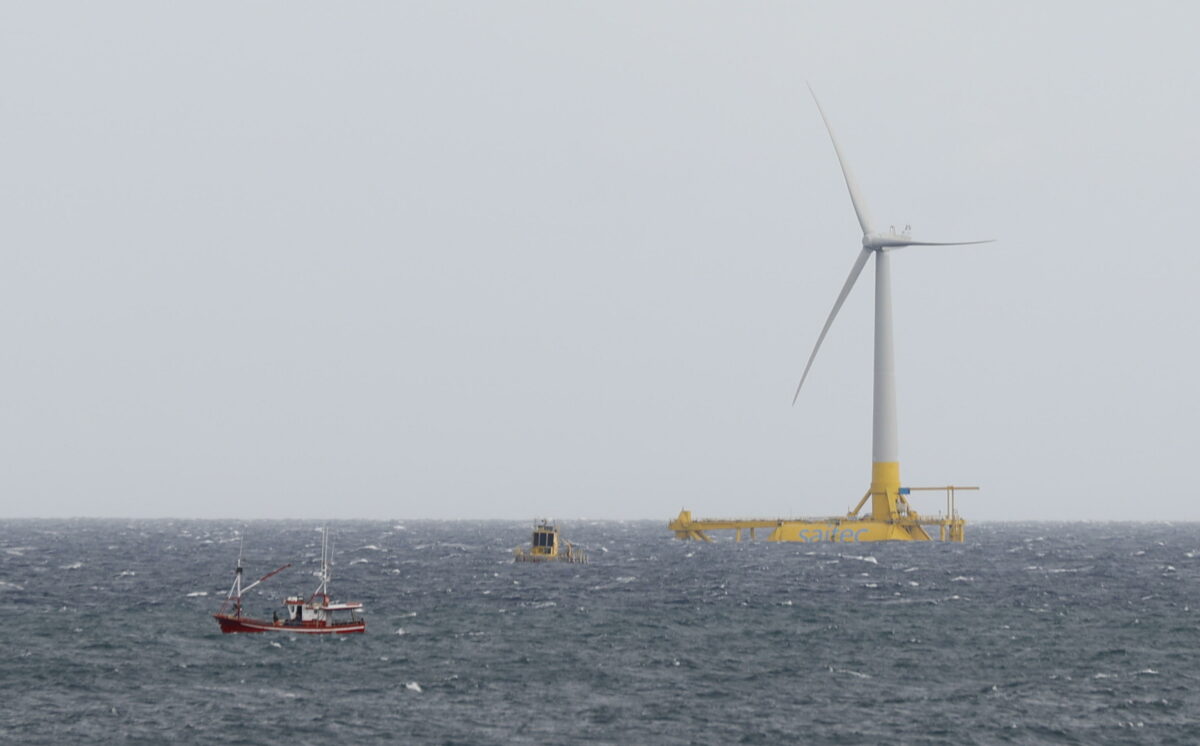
column 320, row 610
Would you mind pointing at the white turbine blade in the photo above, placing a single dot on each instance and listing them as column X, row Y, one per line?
column 860, row 205
column 946, row 243
column 855, row 271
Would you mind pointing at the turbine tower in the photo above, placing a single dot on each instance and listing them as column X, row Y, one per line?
column 887, row 503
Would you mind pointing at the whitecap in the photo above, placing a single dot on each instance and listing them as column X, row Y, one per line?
column 857, row 674
column 72, row 566
column 195, row 594
column 126, row 574
column 867, row 558
column 413, row 686
column 911, row 569
column 275, row 644
column 962, row 579
column 400, row 631
column 359, row 561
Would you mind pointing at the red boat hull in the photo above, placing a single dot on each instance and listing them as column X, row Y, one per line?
column 230, row 624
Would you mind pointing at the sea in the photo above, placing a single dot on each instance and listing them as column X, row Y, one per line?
column 1067, row 633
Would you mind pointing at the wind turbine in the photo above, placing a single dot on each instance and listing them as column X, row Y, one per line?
column 885, row 494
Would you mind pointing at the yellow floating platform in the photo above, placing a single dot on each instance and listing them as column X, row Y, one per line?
column 900, row 524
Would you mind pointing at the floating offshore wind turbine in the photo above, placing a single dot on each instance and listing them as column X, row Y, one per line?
column 891, row 518
column 885, row 466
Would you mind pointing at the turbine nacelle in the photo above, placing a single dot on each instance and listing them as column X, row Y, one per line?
column 890, row 240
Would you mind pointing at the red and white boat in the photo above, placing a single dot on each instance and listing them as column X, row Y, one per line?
column 316, row 616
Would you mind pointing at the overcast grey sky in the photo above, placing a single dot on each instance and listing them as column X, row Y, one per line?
column 509, row 259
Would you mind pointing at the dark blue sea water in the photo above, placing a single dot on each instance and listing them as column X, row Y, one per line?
column 1034, row 633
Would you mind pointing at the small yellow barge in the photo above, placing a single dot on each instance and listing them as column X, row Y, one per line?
column 548, row 546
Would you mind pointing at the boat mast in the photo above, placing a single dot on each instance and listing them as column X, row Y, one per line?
column 235, row 592
column 323, row 589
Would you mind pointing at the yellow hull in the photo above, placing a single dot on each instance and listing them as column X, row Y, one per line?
column 521, row 555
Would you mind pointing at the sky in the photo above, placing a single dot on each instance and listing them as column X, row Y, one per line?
column 404, row 260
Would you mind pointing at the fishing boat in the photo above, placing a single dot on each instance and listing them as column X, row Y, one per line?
column 316, row 615
column 548, row 546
